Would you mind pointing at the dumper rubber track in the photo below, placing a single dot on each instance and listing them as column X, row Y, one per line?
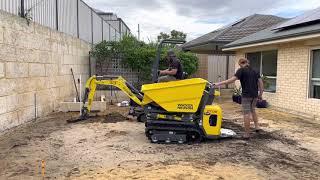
column 169, row 132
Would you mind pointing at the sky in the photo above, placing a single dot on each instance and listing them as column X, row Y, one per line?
column 194, row 17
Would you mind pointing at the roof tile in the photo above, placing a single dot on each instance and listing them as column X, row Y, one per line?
column 237, row 30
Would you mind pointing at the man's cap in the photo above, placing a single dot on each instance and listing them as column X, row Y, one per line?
column 171, row 53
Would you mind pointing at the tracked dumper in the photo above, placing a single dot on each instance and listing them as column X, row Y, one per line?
column 182, row 111
column 176, row 112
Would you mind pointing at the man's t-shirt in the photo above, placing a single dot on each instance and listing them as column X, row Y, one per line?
column 175, row 64
column 249, row 81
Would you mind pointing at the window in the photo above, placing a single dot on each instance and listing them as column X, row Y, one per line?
column 255, row 60
column 315, row 74
column 265, row 63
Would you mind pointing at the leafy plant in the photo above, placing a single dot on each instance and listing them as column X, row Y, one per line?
column 139, row 56
column 104, row 52
column 174, row 34
column 27, row 15
column 189, row 62
column 265, row 81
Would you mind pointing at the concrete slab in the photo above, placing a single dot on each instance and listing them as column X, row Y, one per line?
column 75, row 106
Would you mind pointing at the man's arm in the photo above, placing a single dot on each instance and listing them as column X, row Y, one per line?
column 171, row 72
column 229, row 81
column 261, row 88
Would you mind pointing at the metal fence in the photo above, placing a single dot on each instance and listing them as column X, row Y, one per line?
column 76, row 18
column 12, row 6
column 73, row 17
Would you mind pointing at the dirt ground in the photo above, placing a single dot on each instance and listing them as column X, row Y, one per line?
column 115, row 147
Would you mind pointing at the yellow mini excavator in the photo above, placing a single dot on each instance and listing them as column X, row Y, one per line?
column 176, row 112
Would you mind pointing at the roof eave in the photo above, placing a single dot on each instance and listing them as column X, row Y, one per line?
column 284, row 39
column 204, row 43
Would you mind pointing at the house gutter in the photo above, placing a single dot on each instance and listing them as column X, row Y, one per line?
column 205, row 43
column 272, row 41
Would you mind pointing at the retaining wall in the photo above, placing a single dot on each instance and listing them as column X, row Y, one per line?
column 35, row 61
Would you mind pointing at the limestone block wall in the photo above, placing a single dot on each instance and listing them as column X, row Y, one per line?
column 35, row 61
column 292, row 93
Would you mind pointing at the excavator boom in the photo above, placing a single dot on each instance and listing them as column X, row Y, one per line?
column 118, row 82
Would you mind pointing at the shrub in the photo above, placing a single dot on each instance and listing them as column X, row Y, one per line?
column 139, row 56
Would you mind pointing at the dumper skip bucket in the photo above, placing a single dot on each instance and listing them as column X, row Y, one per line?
column 176, row 96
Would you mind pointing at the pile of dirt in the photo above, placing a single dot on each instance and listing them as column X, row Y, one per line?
column 114, row 133
column 114, row 117
column 181, row 170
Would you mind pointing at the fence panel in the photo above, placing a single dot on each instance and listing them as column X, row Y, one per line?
column 106, row 31
column 67, row 17
column 217, row 68
column 115, row 24
column 97, row 28
column 11, row 6
column 118, row 36
column 112, row 34
column 73, row 17
column 42, row 12
column 85, row 22
column 232, row 67
column 202, row 71
column 116, row 68
column 122, row 28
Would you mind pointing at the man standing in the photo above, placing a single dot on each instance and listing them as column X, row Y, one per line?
column 174, row 71
column 252, row 89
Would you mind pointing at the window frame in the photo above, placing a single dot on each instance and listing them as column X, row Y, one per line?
column 261, row 67
column 312, row 81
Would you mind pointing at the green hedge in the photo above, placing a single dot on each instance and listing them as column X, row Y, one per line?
column 140, row 56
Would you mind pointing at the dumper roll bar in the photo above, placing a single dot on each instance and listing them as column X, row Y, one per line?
column 155, row 67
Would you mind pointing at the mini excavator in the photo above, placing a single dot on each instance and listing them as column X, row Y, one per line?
column 176, row 112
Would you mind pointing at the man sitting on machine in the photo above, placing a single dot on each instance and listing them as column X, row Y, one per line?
column 174, row 72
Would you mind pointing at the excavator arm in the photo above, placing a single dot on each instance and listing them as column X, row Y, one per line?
column 119, row 82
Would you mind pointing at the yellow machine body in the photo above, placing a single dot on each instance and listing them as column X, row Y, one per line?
column 212, row 121
column 185, row 103
column 176, row 96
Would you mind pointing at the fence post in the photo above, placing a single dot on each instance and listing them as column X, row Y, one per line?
column 227, row 69
column 109, row 32
column 57, row 16
column 92, row 27
column 22, row 13
column 120, row 29
column 102, row 28
column 78, row 31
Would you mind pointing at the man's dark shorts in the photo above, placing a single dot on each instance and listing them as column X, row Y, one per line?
column 248, row 105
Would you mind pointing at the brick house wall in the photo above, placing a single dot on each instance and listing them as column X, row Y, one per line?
column 293, row 73
column 202, row 71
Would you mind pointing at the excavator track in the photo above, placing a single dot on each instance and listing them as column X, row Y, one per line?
column 168, row 132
